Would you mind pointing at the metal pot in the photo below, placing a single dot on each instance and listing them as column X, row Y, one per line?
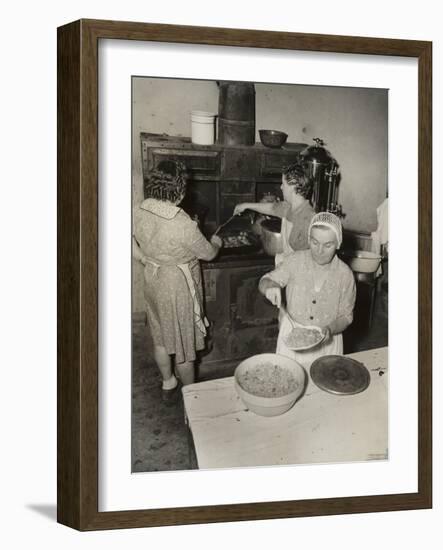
column 271, row 236
column 258, row 218
column 361, row 261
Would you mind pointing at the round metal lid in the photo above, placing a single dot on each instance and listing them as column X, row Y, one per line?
column 340, row 375
column 316, row 153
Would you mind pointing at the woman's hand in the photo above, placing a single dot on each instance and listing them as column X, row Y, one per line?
column 273, row 294
column 216, row 241
column 240, row 208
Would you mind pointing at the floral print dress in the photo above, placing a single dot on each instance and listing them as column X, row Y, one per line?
column 172, row 245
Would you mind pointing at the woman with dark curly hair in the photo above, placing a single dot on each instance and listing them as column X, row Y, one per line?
column 295, row 209
column 169, row 244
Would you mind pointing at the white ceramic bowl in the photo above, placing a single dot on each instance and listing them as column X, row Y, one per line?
column 263, row 405
column 362, row 261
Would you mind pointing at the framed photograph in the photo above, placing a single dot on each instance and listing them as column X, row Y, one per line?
column 229, row 345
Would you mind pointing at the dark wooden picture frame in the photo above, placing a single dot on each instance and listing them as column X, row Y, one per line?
column 77, row 478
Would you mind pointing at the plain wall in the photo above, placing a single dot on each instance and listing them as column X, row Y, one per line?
column 352, row 122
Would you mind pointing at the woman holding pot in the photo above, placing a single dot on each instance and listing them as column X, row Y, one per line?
column 169, row 244
column 295, row 210
column 320, row 289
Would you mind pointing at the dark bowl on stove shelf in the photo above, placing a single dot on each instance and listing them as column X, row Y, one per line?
column 272, row 138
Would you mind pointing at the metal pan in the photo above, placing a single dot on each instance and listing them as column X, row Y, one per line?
column 254, row 245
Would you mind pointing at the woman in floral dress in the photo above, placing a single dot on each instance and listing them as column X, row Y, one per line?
column 169, row 244
column 320, row 289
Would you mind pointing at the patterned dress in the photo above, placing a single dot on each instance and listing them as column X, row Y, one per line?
column 172, row 245
column 310, row 306
column 294, row 231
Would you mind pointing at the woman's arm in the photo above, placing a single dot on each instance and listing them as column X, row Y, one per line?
column 277, row 209
column 198, row 245
column 137, row 252
column 216, row 243
column 346, row 305
column 271, row 290
column 270, row 285
column 339, row 325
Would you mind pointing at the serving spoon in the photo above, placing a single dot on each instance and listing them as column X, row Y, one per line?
column 285, row 312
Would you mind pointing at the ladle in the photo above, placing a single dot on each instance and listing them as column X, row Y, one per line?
column 228, row 221
column 285, row 312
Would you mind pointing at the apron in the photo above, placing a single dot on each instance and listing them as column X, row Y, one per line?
column 200, row 320
column 334, row 346
column 286, row 228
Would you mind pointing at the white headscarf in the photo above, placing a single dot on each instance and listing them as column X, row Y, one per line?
column 327, row 219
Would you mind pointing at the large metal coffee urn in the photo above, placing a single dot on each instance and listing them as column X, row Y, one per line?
column 321, row 166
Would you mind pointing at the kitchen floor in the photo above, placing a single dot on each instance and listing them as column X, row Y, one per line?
column 159, row 434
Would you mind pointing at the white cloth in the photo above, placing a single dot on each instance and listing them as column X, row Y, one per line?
column 334, row 346
column 200, row 319
column 286, row 228
column 380, row 236
column 329, row 220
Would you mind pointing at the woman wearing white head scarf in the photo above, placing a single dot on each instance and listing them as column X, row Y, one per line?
column 320, row 289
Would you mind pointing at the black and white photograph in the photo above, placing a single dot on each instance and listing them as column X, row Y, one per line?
column 218, row 294
column 260, row 253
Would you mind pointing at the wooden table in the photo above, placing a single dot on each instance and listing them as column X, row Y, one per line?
column 320, row 427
